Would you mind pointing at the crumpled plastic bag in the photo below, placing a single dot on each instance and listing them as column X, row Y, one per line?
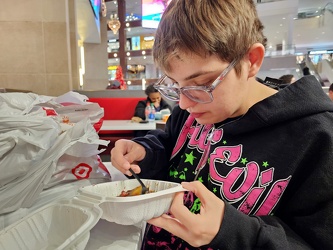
column 37, row 151
column 24, row 141
column 81, row 159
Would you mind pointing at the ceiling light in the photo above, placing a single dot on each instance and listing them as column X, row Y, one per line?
column 131, row 17
column 114, row 23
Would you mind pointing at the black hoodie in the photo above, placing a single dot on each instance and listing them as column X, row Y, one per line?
column 273, row 167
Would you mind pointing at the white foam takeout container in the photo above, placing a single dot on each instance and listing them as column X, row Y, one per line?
column 62, row 225
column 131, row 210
column 66, row 224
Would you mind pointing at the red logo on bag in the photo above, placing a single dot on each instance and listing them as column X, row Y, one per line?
column 50, row 111
column 82, row 171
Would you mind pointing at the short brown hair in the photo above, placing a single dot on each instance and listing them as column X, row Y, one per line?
column 226, row 28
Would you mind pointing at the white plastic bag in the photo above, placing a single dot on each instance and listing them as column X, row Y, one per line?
column 16, row 103
column 29, row 166
column 81, row 159
column 69, row 115
column 35, row 148
column 26, row 159
column 24, row 141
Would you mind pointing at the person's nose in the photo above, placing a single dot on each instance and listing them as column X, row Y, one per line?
column 185, row 102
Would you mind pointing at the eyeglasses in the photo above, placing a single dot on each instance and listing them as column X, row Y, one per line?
column 201, row 94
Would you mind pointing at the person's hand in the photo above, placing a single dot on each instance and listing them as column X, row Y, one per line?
column 157, row 103
column 136, row 119
column 126, row 154
column 195, row 229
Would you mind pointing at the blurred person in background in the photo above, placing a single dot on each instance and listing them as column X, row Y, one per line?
column 287, row 79
column 306, row 71
column 259, row 174
column 154, row 97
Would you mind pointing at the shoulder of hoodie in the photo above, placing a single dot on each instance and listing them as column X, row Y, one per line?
column 302, row 98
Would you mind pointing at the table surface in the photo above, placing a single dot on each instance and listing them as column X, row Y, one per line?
column 126, row 125
column 129, row 125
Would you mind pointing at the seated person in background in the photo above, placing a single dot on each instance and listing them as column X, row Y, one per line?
column 287, row 79
column 153, row 96
column 115, row 84
column 330, row 92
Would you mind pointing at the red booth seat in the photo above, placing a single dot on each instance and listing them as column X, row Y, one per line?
column 121, row 108
column 116, row 108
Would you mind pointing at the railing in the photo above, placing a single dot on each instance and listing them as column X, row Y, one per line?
column 325, row 68
column 329, row 7
column 315, row 12
column 281, row 50
column 313, row 70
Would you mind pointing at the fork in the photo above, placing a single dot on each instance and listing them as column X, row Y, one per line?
column 144, row 188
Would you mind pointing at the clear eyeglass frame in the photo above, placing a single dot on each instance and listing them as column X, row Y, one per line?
column 200, row 94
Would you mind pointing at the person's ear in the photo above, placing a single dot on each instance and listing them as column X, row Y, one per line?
column 255, row 56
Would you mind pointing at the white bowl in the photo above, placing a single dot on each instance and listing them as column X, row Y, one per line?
column 131, row 210
column 64, row 225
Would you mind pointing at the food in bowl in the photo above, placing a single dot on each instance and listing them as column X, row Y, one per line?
column 133, row 192
column 131, row 210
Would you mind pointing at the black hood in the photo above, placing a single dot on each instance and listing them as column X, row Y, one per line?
column 303, row 98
